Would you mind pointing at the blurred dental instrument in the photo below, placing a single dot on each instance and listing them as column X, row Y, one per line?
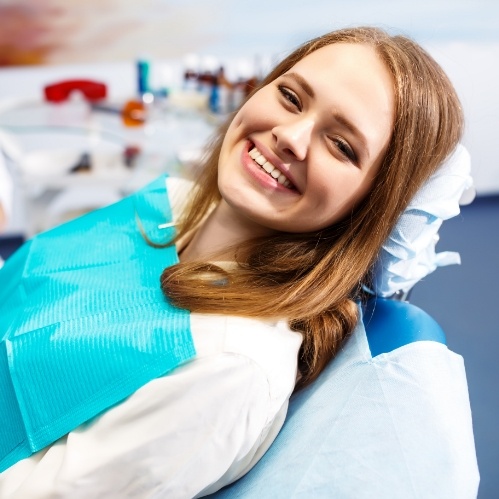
column 133, row 113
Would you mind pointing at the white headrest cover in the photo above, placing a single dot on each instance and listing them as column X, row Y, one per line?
column 408, row 255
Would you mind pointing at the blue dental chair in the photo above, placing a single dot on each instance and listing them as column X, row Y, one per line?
column 388, row 418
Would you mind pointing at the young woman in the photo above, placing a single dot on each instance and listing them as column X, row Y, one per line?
column 299, row 190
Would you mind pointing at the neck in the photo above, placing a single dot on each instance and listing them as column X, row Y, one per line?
column 219, row 234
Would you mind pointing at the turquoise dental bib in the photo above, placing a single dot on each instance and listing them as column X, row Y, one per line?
column 83, row 322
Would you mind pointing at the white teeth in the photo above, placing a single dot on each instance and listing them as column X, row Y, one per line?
column 260, row 160
column 269, row 168
column 254, row 153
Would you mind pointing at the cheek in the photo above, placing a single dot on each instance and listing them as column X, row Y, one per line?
column 236, row 122
column 230, row 140
column 334, row 198
column 258, row 112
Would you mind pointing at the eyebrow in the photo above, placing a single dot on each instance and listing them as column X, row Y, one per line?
column 302, row 82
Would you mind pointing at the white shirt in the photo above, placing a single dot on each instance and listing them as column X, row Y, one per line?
column 183, row 435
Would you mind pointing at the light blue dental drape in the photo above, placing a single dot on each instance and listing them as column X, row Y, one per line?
column 83, row 322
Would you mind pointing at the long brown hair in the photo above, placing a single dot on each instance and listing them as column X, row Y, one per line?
column 313, row 279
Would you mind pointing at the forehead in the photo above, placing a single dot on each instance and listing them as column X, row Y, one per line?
column 347, row 60
column 340, row 50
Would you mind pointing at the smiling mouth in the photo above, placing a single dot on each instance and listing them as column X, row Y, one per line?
column 269, row 168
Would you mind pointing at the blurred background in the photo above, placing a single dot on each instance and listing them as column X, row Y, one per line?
column 97, row 97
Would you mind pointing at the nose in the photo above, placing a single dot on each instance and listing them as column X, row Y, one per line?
column 294, row 138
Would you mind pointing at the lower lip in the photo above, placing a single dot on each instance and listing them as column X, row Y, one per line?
column 259, row 174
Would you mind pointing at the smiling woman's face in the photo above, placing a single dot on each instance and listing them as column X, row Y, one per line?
column 304, row 150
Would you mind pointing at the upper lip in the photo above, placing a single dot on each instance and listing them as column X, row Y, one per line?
column 272, row 158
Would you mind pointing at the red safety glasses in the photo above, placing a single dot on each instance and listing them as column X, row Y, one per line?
column 59, row 92
column 133, row 113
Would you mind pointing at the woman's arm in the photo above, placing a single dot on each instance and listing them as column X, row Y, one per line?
column 175, row 437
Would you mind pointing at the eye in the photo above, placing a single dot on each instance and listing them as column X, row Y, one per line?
column 290, row 96
column 345, row 149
